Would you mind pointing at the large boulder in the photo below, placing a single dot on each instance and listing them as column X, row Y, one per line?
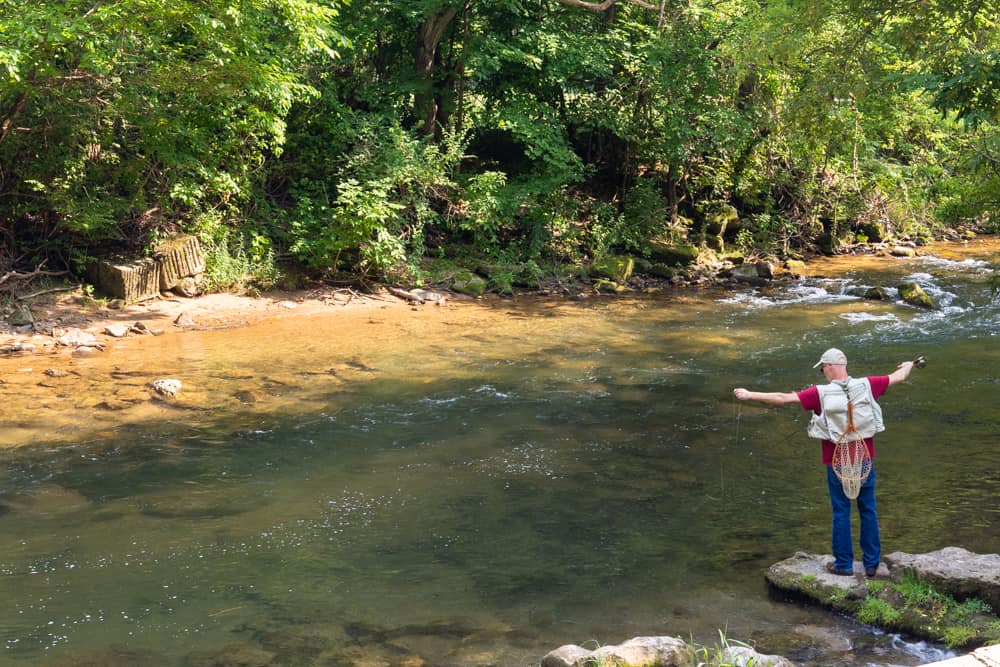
column 873, row 232
column 721, row 218
column 21, row 317
column 467, row 282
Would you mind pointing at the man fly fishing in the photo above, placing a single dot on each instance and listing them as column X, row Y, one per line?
column 846, row 416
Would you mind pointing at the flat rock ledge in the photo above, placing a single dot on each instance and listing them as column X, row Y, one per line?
column 988, row 656
column 656, row 652
column 950, row 596
column 961, row 573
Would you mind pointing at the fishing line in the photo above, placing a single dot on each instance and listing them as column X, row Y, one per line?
column 738, row 413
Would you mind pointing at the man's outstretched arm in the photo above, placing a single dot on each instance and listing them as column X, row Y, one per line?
column 900, row 373
column 769, row 397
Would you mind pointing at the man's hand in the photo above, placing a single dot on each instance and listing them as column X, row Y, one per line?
column 901, row 373
column 741, row 393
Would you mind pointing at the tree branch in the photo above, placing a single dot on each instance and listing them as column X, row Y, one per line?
column 46, row 291
column 28, row 276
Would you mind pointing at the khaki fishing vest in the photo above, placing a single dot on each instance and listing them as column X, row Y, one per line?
column 832, row 422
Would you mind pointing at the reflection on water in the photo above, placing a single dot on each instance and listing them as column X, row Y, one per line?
column 475, row 486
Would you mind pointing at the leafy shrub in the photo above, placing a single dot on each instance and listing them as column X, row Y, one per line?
column 235, row 258
column 387, row 191
column 878, row 612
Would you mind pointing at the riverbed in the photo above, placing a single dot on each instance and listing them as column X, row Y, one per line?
column 475, row 484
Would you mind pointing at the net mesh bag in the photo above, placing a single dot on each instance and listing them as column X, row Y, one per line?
column 851, row 461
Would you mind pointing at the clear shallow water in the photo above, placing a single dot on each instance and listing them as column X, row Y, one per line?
column 485, row 485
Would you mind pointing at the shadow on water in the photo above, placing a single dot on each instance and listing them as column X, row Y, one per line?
column 561, row 474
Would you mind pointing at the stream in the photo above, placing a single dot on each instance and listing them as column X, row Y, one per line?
column 477, row 485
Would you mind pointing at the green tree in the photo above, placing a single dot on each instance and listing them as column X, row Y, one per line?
column 128, row 117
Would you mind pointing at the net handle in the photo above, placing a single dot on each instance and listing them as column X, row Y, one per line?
column 850, row 417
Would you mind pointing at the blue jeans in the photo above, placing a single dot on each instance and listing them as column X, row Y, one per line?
column 843, row 551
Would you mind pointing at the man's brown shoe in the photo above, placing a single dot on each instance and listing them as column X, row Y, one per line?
column 832, row 569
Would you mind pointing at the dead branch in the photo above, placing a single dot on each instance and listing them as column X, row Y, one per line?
column 47, row 291
column 29, row 276
column 403, row 294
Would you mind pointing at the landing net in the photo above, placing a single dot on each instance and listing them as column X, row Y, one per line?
column 851, row 461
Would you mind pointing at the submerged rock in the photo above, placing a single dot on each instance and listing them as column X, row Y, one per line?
column 77, row 338
column 167, row 387
column 876, row 294
column 234, row 655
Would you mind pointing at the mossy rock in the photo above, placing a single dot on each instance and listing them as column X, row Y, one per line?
column 903, row 604
column 874, row 231
column 671, row 254
column 720, row 218
column 21, row 316
column 876, row 294
column 617, row 268
column 467, row 282
column 661, row 270
column 914, row 294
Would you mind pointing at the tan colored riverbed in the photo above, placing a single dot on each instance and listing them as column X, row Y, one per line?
column 252, row 358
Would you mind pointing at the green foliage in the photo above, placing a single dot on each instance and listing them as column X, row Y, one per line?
column 383, row 197
column 877, row 611
column 133, row 115
column 235, row 259
column 915, row 604
column 489, row 210
column 958, row 635
column 718, row 655
column 918, row 592
column 526, row 132
column 645, row 214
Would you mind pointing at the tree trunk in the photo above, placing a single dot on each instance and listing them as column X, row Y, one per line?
column 428, row 38
column 672, row 198
column 8, row 122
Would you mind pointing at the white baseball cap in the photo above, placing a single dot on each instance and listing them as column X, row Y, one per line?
column 832, row 356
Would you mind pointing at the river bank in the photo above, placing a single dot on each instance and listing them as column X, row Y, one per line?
column 34, row 326
column 101, row 378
